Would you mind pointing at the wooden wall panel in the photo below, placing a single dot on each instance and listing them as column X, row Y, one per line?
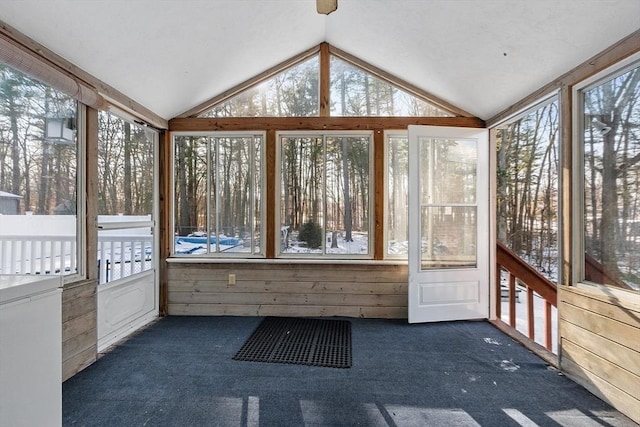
column 79, row 327
column 288, row 289
column 600, row 344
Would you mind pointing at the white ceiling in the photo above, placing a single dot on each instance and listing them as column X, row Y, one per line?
column 170, row 55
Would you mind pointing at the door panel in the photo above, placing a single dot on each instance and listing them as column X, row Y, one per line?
column 124, row 306
column 449, row 215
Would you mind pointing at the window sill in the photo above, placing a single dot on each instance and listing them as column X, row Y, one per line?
column 207, row 260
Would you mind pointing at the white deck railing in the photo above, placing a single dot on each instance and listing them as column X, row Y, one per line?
column 118, row 255
column 38, row 254
column 124, row 255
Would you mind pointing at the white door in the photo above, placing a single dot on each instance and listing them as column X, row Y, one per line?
column 448, row 224
column 127, row 244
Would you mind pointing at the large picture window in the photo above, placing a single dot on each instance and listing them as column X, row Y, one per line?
column 325, row 182
column 38, row 177
column 218, row 194
column 611, row 147
column 527, row 159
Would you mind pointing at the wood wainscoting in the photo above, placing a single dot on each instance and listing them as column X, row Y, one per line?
column 288, row 289
column 79, row 327
column 599, row 332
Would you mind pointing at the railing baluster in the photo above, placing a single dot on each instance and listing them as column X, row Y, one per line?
column 512, row 300
column 12, row 254
column 547, row 324
column 43, row 250
column 32, row 261
column 530, row 314
column 23, row 257
column 103, row 262
column 499, row 293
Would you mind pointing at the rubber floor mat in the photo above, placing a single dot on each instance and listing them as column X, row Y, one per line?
column 300, row 341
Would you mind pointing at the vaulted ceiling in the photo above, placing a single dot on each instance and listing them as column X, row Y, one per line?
column 170, row 55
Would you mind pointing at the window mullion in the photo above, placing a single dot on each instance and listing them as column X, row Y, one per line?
column 324, row 195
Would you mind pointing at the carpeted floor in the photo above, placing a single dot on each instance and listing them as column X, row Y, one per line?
column 180, row 372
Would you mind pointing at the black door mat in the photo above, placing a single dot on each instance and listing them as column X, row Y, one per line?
column 300, row 341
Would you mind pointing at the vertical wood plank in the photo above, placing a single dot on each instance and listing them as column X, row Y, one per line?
column 91, row 191
column 379, row 202
column 325, row 60
column 164, row 217
column 271, row 167
column 566, row 208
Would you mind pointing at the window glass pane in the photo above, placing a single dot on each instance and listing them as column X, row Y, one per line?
column 450, row 175
column 527, row 187
column 347, row 195
column 291, row 93
column 302, row 195
column 612, row 181
column 125, row 167
column 448, row 236
column 125, row 196
column 325, row 185
column 232, row 194
column 190, row 217
column 355, row 92
column 218, row 194
column 38, row 177
column 397, row 193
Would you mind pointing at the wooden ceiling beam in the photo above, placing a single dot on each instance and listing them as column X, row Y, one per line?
column 315, row 123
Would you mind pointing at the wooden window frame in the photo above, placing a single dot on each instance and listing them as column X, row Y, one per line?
column 190, row 122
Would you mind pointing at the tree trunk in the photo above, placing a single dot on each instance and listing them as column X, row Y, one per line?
column 347, row 193
column 127, row 169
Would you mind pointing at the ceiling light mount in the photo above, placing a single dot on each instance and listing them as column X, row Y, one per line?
column 325, row 7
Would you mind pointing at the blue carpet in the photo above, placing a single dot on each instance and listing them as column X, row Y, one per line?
column 180, row 372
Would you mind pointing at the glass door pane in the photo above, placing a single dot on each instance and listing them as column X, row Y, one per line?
column 448, row 202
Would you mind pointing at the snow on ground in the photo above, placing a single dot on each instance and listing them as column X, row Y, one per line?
column 538, row 310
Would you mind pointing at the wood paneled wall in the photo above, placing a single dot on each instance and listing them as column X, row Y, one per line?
column 288, row 289
column 79, row 327
column 600, row 343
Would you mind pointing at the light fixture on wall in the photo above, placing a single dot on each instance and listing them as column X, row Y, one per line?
column 600, row 127
column 326, row 6
column 60, row 129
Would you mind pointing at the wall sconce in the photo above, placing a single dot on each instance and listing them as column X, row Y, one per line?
column 325, row 7
column 60, row 129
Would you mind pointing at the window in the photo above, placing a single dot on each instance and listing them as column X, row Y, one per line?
column 397, row 190
column 325, row 182
column 218, row 194
column 313, row 181
column 38, row 177
column 295, row 92
column 356, row 92
column 125, row 197
column 610, row 140
column 291, row 93
column 527, row 186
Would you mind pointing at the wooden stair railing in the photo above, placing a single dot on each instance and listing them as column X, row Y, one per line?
column 519, row 271
column 598, row 273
